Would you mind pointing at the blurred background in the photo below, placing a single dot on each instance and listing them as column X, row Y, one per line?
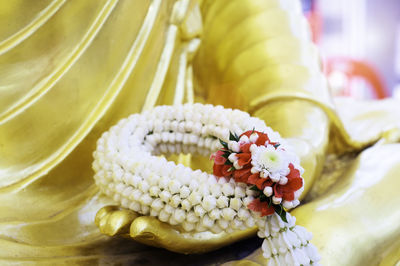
column 359, row 41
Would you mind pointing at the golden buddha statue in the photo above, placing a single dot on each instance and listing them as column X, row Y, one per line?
column 71, row 69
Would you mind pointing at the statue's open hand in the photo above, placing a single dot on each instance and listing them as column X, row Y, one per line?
column 115, row 220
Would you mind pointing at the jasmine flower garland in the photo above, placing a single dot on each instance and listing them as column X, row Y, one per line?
column 255, row 176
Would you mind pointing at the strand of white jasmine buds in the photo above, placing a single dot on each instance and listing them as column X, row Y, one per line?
column 286, row 243
column 128, row 170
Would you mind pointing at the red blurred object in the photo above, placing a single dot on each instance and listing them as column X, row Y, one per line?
column 314, row 18
column 353, row 68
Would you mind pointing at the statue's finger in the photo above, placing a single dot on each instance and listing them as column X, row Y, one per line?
column 103, row 212
column 150, row 231
column 118, row 222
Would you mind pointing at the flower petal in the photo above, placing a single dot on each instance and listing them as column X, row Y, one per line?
column 262, row 138
column 253, row 178
column 242, row 175
column 247, row 133
column 243, row 158
column 293, row 172
column 217, row 170
column 267, row 210
column 245, row 148
column 225, row 170
column 217, row 157
column 289, row 196
column 277, row 190
column 259, row 206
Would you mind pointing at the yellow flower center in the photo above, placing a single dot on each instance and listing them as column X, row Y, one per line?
column 270, row 160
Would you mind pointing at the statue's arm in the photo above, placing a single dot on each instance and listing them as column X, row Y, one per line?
column 258, row 56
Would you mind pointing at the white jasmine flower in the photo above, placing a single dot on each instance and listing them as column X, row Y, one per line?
column 204, row 190
column 247, row 200
column 228, row 189
column 235, row 203
column 136, row 194
column 194, row 198
column 184, row 192
column 169, row 209
column 253, row 137
column 243, row 214
column 287, row 204
column 186, row 205
column 209, row 203
column 146, row 199
column 163, row 182
column 240, row 192
column 283, row 180
column 244, row 140
column 215, row 214
column 199, row 211
column 297, row 193
column 223, row 223
column 163, row 216
column 236, row 224
column 253, row 147
column 228, row 214
column 174, row 186
column 165, row 196
column 193, row 185
column 157, row 204
column 175, row 201
column 206, row 221
column 253, row 170
column 154, row 191
column 222, row 181
column 200, row 228
column 216, row 190
column 249, row 222
column 268, row 191
column 191, row 217
column 179, row 215
column 237, row 166
column 216, row 229
column 232, row 157
column 222, row 202
column 188, row 226
column 276, row 200
column 154, row 213
column 135, row 206
column 234, row 146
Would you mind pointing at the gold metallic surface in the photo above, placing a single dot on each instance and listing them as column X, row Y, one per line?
column 71, row 69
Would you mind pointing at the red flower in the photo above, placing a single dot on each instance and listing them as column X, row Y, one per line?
column 262, row 137
column 295, row 182
column 217, row 157
column 253, row 179
column 242, row 175
column 261, row 183
column 243, row 158
column 261, row 206
column 245, row 147
column 222, row 170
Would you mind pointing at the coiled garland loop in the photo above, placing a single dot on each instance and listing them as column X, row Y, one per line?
column 128, row 169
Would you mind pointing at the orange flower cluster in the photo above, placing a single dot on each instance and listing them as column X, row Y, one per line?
column 224, row 168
